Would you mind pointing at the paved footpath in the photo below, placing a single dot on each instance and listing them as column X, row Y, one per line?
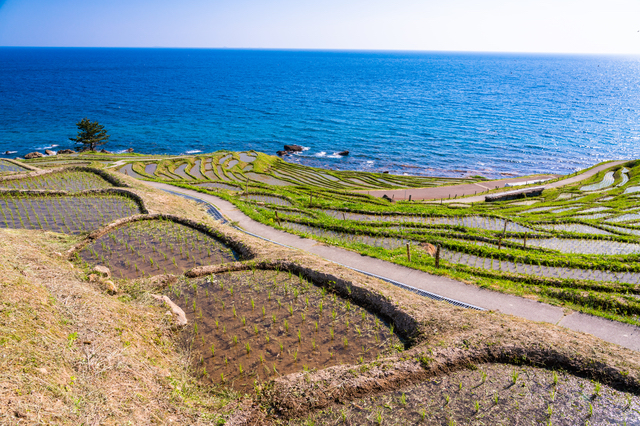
column 611, row 331
column 447, row 193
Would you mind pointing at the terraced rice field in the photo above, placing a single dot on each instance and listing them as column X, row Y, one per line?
column 478, row 222
column 606, row 182
column 268, row 199
column 7, row 166
column 474, row 261
column 258, row 325
column 575, row 227
column 217, row 185
column 267, row 170
column 489, row 394
column 629, row 217
column 569, row 245
column 73, row 181
column 389, row 243
column 559, row 225
column 154, row 247
column 65, row 214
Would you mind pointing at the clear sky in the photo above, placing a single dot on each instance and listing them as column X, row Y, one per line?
column 573, row 26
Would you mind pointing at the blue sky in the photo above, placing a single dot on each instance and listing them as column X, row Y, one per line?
column 578, row 26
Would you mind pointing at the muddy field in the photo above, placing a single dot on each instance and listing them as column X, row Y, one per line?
column 256, row 325
column 155, row 247
column 490, row 394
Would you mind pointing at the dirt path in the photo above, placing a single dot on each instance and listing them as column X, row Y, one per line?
column 611, row 331
column 455, row 192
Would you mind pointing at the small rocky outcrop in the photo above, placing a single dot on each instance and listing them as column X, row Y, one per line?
column 343, row 153
column 176, row 311
column 109, row 286
column 104, row 151
column 130, row 150
column 293, row 148
column 34, row 154
column 49, row 152
column 102, row 271
column 66, row 151
column 282, row 153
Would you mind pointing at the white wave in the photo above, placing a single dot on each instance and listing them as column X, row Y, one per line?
column 122, row 151
column 321, row 154
column 305, row 148
column 46, row 147
column 334, row 155
column 193, row 151
column 54, row 152
column 11, row 152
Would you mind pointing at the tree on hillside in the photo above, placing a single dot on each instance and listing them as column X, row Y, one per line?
column 90, row 135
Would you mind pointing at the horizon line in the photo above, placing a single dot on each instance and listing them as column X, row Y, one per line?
column 292, row 49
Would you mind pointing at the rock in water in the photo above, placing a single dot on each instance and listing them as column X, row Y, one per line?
column 31, row 155
column 293, row 148
column 343, row 153
column 282, row 153
column 49, row 152
column 130, row 150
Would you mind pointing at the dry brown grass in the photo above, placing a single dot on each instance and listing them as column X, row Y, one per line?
column 70, row 354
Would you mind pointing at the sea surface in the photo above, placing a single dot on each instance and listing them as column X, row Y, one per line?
column 422, row 113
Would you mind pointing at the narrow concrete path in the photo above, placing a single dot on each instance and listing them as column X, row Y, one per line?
column 611, row 331
column 447, row 193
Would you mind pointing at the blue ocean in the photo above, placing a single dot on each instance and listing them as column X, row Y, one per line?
column 419, row 113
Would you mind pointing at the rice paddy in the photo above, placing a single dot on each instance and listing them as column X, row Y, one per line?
column 260, row 170
column 7, row 166
column 65, row 214
column 257, row 325
column 72, row 181
column 494, row 394
column 154, row 247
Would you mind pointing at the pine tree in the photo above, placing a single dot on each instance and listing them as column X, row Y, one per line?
column 90, row 134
